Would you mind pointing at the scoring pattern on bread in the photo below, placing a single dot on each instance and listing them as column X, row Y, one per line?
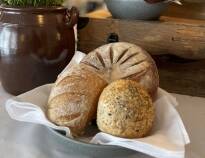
column 124, row 61
column 73, row 98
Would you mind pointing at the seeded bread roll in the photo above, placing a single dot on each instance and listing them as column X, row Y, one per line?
column 125, row 109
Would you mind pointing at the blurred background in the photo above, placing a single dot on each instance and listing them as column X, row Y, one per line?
column 85, row 6
column 189, row 9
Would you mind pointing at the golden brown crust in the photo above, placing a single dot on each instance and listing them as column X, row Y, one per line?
column 125, row 109
column 124, row 61
column 74, row 97
column 75, row 104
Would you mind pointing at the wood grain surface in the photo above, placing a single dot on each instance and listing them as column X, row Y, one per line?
column 183, row 38
column 181, row 76
column 194, row 10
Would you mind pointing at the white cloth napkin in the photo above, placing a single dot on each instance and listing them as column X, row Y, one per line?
column 167, row 139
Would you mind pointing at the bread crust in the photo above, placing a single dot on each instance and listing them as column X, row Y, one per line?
column 124, row 61
column 125, row 109
column 74, row 96
column 73, row 99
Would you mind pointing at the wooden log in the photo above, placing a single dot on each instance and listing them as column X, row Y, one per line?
column 181, row 76
column 180, row 37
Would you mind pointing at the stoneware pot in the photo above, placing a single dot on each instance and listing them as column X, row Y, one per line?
column 136, row 9
column 35, row 45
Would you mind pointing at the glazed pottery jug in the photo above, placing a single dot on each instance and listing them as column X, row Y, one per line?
column 35, row 45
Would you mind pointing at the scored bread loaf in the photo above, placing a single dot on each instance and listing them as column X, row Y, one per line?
column 124, row 61
column 74, row 96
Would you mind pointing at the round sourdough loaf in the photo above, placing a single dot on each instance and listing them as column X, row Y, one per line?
column 74, row 96
column 125, row 109
column 124, row 61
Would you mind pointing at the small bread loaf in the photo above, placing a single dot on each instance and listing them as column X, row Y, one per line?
column 73, row 99
column 125, row 109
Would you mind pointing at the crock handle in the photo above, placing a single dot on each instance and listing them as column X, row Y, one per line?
column 73, row 15
column 0, row 10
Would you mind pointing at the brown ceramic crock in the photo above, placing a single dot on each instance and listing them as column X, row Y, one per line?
column 35, row 45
